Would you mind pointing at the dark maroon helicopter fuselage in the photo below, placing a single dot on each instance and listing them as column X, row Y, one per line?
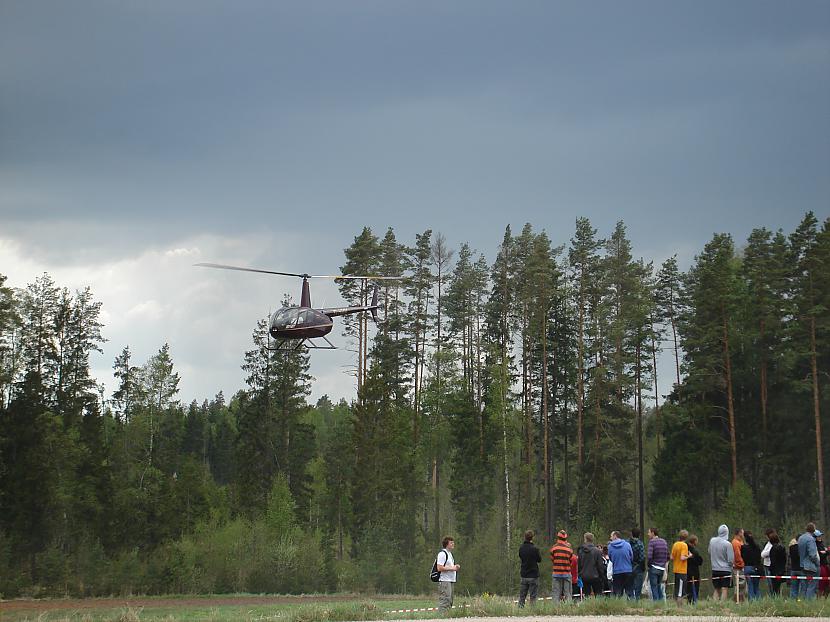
column 299, row 323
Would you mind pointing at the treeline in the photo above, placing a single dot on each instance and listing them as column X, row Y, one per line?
column 494, row 397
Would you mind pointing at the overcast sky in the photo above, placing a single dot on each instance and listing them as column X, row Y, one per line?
column 137, row 138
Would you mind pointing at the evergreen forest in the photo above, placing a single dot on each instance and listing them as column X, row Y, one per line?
column 499, row 394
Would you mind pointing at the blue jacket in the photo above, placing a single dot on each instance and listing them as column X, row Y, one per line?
column 808, row 552
column 621, row 555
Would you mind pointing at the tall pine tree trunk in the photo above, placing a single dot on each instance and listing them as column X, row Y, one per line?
column 763, row 386
column 546, row 426
column 640, row 484
column 528, row 409
column 580, row 381
column 656, row 392
column 674, row 336
column 730, row 402
column 817, row 415
column 416, row 374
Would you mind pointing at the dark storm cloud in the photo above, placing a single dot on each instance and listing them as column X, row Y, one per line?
column 242, row 115
column 137, row 138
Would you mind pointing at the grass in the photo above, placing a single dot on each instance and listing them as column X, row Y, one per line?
column 365, row 609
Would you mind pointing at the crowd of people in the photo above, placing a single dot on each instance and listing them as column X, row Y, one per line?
column 631, row 568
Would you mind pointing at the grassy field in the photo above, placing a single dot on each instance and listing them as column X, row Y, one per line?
column 250, row 609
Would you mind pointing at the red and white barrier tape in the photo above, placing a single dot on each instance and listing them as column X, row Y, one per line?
column 424, row 609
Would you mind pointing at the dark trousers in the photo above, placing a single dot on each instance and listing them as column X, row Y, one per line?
column 592, row 586
column 637, row 577
column 694, row 587
column 621, row 584
column 530, row 586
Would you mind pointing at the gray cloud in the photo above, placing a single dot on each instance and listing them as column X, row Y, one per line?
column 128, row 129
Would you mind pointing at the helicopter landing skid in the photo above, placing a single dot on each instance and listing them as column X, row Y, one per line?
column 294, row 345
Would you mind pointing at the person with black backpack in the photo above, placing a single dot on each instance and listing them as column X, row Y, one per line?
column 531, row 557
column 446, row 566
column 638, row 565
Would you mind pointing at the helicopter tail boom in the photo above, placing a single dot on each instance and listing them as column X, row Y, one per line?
column 372, row 308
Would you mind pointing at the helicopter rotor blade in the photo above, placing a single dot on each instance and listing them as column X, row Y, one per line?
column 338, row 277
column 302, row 276
column 225, row 267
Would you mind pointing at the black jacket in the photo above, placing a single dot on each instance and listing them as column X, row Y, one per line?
column 531, row 557
column 751, row 555
column 590, row 563
column 694, row 563
column 778, row 559
column 795, row 561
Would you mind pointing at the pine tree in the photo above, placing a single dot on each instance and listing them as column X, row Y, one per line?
column 713, row 293
column 809, row 268
column 273, row 436
column 361, row 259
column 498, row 378
column 583, row 264
column 37, row 309
column 668, row 292
column 543, row 276
column 418, row 288
column 382, row 466
column 9, row 340
column 127, row 394
column 159, row 385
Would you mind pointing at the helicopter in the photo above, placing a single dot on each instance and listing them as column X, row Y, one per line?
column 293, row 328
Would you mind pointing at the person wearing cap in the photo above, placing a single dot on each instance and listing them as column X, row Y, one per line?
column 808, row 554
column 560, row 557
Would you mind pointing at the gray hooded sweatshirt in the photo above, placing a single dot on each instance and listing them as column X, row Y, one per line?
column 720, row 550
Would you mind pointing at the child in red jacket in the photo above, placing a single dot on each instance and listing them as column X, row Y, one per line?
column 576, row 582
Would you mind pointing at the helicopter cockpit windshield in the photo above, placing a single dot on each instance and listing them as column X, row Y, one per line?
column 288, row 318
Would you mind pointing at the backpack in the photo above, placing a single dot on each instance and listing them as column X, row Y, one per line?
column 435, row 574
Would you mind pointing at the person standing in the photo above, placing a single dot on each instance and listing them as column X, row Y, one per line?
column 608, row 575
column 765, row 560
column 622, row 558
column 808, row 554
column 591, row 565
column 738, row 564
column 693, row 565
column 658, row 557
column 679, row 557
column 531, row 557
column 560, row 557
column 576, row 582
column 751, row 555
column 721, row 557
column 777, row 563
column 795, row 567
column 639, row 564
column 448, row 568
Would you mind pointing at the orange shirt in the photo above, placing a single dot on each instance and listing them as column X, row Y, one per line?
column 736, row 547
column 679, row 550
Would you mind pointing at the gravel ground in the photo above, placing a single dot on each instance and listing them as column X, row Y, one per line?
column 633, row 619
